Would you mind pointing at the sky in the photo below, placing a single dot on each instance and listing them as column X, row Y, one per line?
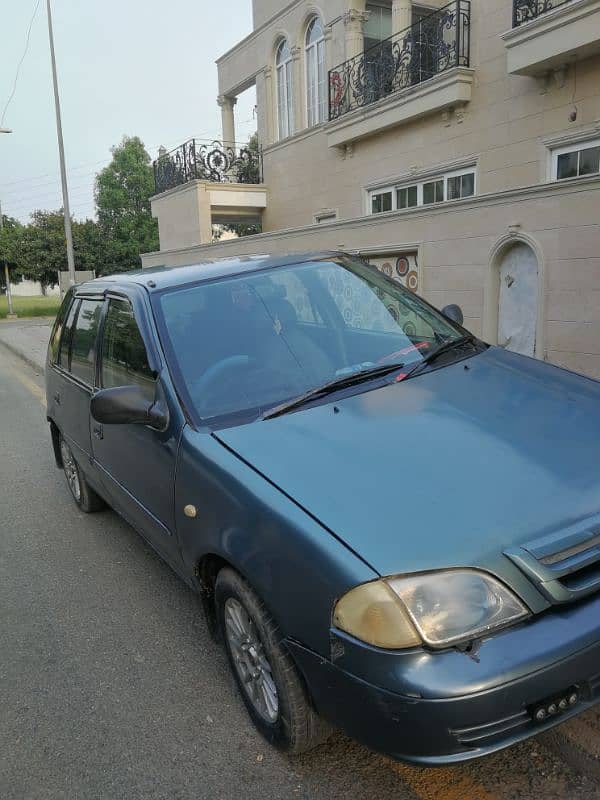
column 125, row 67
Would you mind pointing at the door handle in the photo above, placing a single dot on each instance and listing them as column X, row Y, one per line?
column 97, row 431
column 57, row 398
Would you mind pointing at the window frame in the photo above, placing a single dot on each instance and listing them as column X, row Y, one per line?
column 325, row 216
column 75, row 306
column 59, row 322
column 155, row 362
column 419, row 183
column 574, row 147
column 285, row 127
column 94, row 298
column 311, row 54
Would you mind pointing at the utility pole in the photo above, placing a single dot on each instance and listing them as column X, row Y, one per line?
column 61, row 152
column 11, row 313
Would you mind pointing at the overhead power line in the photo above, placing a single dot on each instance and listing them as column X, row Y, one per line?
column 25, row 195
column 20, row 64
column 104, row 161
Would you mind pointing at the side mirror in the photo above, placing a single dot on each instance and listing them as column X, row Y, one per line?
column 127, row 405
column 453, row 313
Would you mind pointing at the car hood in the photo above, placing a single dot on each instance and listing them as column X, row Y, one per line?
column 449, row 468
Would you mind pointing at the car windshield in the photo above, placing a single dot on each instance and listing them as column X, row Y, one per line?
column 240, row 346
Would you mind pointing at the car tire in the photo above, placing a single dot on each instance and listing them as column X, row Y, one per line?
column 85, row 497
column 280, row 709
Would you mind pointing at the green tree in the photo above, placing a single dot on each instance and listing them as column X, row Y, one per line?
column 90, row 246
column 38, row 250
column 41, row 246
column 10, row 234
column 122, row 193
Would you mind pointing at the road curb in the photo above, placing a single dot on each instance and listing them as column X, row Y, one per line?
column 16, row 351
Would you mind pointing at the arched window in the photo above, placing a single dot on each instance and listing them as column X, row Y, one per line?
column 285, row 90
column 316, row 86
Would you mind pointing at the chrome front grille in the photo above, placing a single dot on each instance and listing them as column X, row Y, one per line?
column 586, row 546
column 565, row 565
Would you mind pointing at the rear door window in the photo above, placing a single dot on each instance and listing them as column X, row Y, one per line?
column 58, row 326
column 124, row 357
column 65, row 339
column 83, row 342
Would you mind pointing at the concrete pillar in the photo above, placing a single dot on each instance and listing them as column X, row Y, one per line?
column 204, row 215
column 297, row 123
column 331, row 57
column 184, row 216
column 401, row 15
column 354, row 19
column 228, row 120
column 268, row 106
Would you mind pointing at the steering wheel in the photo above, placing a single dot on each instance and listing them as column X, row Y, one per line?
column 219, row 372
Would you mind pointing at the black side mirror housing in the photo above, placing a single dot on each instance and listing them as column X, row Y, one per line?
column 128, row 405
column 453, row 313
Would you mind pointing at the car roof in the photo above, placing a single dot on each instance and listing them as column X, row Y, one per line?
column 156, row 279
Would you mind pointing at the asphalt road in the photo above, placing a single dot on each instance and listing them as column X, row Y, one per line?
column 111, row 688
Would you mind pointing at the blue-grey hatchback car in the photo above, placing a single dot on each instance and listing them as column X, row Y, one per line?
column 394, row 527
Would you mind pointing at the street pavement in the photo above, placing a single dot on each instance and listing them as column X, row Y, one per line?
column 110, row 686
column 27, row 338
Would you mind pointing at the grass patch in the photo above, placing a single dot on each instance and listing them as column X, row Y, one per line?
column 31, row 306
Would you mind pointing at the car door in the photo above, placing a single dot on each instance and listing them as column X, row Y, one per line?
column 75, row 377
column 57, row 367
column 137, row 462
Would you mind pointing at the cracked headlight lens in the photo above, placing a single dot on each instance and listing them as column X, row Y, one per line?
column 437, row 608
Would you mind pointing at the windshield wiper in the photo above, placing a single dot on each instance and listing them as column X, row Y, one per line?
column 443, row 348
column 332, row 386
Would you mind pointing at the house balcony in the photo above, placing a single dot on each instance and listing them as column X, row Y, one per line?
column 547, row 35
column 201, row 184
column 422, row 69
column 214, row 162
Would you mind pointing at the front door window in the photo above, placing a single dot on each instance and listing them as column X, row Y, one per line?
column 124, row 359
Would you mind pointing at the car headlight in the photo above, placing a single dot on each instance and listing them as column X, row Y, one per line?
column 436, row 608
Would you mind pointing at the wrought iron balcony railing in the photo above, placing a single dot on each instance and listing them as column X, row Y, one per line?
column 434, row 44
column 208, row 161
column 526, row 10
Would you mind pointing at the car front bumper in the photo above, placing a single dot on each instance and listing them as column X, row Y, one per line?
column 476, row 715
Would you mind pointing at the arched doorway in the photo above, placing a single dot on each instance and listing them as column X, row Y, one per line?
column 513, row 309
column 518, row 299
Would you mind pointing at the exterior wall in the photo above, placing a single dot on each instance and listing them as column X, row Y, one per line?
column 506, row 130
column 263, row 10
column 503, row 129
column 257, row 51
column 183, row 214
column 27, row 288
column 458, row 244
column 186, row 214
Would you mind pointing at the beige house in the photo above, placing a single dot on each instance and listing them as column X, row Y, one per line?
column 457, row 146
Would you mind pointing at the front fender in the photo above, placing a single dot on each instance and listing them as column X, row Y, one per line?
column 295, row 565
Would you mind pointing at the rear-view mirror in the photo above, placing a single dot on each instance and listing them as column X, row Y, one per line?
column 453, row 313
column 127, row 405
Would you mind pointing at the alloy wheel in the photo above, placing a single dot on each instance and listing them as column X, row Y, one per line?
column 251, row 664
column 71, row 472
